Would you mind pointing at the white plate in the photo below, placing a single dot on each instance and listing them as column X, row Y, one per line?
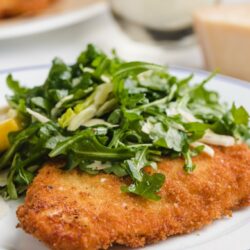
column 18, row 27
column 228, row 233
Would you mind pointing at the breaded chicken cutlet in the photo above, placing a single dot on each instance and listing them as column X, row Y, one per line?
column 77, row 211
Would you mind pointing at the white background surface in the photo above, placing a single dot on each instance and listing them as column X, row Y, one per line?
column 101, row 30
column 67, row 42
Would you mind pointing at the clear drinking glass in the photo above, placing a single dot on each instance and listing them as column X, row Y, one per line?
column 158, row 21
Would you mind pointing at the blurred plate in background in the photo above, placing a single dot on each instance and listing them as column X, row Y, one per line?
column 63, row 13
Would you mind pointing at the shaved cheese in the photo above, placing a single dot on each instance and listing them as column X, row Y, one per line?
column 105, row 78
column 36, row 115
column 12, row 113
column 82, row 118
column 147, row 127
column 207, row 150
column 106, row 107
column 185, row 114
column 90, row 70
column 94, row 122
column 60, row 103
column 3, row 113
column 87, row 69
column 102, row 93
column 216, row 139
column 188, row 117
column 98, row 165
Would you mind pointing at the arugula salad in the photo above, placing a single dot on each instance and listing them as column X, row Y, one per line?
column 103, row 114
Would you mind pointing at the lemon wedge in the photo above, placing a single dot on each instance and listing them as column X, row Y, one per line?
column 7, row 126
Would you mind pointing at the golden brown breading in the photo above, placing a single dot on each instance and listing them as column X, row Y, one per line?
column 76, row 211
column 15, row 7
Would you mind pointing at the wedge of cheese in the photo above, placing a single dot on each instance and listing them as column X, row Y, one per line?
column 224, row 35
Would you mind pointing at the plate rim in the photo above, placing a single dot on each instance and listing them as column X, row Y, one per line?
column 231, row 80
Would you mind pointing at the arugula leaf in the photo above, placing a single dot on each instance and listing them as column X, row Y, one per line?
column 148, row 187
column 59, row 76
column 196, row 129
column 86, row 146
column 15, row 86
column 17, row 139
column 40, row 102
column 118, row 169
column 137, row 163
column 167, row 137
column 240, row 115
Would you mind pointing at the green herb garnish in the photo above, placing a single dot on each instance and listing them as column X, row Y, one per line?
column 106, row 115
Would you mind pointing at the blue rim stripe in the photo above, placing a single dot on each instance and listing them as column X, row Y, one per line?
column 230, row 80
column 24, row 68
